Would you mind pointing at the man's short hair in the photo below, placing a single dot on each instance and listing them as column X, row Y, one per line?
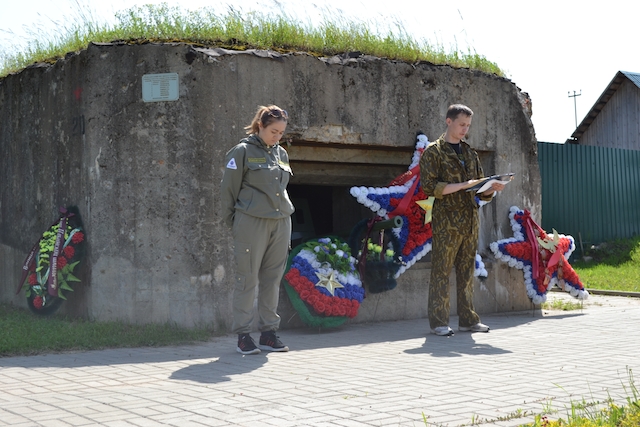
column 454, row 110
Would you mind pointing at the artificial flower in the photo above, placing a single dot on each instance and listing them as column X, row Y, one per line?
column 69, row 251
column 38, row 302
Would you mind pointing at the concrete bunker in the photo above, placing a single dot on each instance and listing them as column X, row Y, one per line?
column 145, row 175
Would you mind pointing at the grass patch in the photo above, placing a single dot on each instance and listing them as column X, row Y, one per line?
column 237, row 30
column 614, row 266
column 581, row 413
column 24, row 333
column 587, row 414
column 562, row 305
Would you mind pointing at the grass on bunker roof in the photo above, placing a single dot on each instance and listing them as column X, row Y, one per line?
column 239, row 30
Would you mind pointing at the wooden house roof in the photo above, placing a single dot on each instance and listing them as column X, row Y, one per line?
column 601, row 102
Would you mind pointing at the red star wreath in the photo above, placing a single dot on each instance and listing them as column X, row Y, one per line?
column 404, row 197
column 541, row 256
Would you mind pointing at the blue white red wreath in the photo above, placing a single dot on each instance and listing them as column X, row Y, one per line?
column 323, row 283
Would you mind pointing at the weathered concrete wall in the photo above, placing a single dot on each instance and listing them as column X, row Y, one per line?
column 145, row 175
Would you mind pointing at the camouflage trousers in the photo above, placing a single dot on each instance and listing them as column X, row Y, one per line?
column 451, row 247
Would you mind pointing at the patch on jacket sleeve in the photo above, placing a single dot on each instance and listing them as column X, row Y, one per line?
column 232, row 164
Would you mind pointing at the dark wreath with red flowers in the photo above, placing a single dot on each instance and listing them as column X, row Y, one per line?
column 49, row 272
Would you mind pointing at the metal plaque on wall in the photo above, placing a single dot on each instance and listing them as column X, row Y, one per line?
column 160, row 87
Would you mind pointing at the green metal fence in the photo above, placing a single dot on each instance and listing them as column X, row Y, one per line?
column 591, row 193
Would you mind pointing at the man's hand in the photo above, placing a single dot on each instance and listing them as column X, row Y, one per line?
column 496, row 186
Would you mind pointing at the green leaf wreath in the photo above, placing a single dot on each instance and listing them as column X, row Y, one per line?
column 58, row 252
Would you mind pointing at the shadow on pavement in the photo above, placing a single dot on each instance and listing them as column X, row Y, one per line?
column 222, row 369
column 462, row 343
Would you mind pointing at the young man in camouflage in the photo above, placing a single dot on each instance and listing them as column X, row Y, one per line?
column 447, row 167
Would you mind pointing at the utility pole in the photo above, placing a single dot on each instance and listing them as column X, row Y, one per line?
column 575, row 108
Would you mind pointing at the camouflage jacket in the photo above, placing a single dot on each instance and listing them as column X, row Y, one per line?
column 439, row 166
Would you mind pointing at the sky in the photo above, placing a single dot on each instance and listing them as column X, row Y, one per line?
column 549, row 49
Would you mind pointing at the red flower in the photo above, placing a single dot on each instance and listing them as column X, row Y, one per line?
column 62, row 261
column 77, row 237
column 33, row 280
column 304, row 294
column 37, row 302
column 328, row 310
column 354, row 310
column 69, row 252
column 519, row 250
column 319, row 307
column 294, row 279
